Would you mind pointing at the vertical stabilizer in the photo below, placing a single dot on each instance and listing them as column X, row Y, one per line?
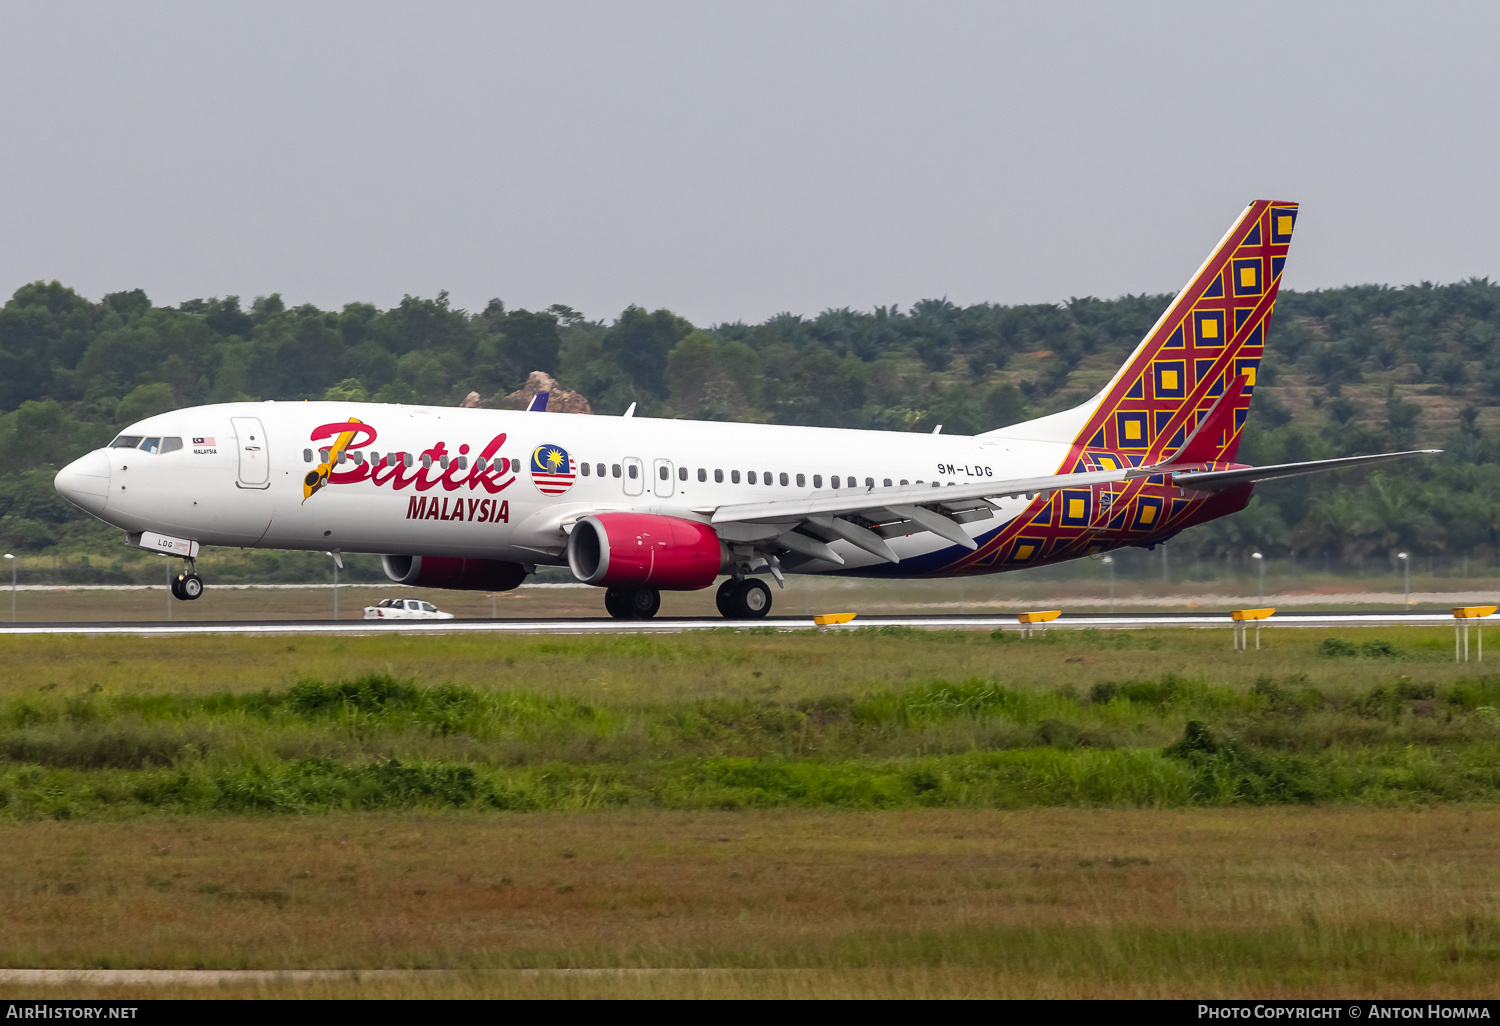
column 1211, row 334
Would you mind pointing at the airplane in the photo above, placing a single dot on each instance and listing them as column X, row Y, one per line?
column 478, row 499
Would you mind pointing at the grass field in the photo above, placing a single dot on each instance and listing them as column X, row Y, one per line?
column 885, row 812
column 1271, row 902
column 880, row 718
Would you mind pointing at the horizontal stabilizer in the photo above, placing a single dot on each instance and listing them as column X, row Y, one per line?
column 1210, row 480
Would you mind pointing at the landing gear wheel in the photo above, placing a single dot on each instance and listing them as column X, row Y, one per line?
column 644, row 602
column 189, row 586
column 176, row 587
column 632, row 603
column 724, row 598
column 615, row 605
column 751, row 600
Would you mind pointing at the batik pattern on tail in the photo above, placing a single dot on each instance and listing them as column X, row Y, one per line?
column 1213, row 332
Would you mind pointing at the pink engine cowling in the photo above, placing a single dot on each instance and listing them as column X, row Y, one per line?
column 453, row 572
column 642, row 550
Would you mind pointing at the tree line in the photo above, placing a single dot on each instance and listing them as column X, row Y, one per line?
column 1348, row 370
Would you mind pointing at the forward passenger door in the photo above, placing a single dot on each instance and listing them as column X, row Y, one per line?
column 255, row 463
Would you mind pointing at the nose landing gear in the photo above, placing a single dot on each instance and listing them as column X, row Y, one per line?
column 187, row 585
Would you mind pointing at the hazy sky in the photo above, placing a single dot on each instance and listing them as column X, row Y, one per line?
column 734, row 160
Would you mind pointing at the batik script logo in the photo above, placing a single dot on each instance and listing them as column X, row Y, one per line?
column 432, row 467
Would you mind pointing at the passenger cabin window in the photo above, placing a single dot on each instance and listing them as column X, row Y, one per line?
column 817, row 480
column 768, row 478
column 734, row 477
column 887, row 482
column 718, row 477
column 126, row 442
column 343, row 457
column 784, row 479
column 408, row 459
column 869, row 482
column 682, row 474
column 634, row 471
column 833, row 482
column 905, row 481
column 615, row 469
column 663, row 473
column 599, row 469
column 801, row 481
column 585, row 469
column 306, row 455
column 702, row 475
column 750, row 476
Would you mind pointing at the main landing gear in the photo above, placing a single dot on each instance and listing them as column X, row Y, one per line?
column 747, row 599
column 187, row 585
column 632, row 603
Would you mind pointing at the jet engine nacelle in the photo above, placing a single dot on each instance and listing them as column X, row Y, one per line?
column 639, row 550
column 452, row 572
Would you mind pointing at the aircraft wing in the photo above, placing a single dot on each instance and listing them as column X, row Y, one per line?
column 1210, row 480
column 865, row 518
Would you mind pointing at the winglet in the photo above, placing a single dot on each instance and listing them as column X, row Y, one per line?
column 630, row 412
column 538, row 403
column 1202, row 446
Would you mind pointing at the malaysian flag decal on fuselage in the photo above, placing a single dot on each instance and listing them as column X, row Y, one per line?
column 552, row 469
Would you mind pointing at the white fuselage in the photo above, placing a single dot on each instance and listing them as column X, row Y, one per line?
column 245, row 487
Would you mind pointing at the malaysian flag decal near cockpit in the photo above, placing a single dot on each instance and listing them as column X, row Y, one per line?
column 552, row 469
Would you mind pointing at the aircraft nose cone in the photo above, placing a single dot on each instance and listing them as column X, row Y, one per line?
column 85, row 482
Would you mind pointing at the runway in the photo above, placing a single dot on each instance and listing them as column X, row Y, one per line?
column 605, row 625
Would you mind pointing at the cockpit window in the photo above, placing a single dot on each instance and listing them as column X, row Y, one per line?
column 151, row 445
column 126, row 442
column 171, row 444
